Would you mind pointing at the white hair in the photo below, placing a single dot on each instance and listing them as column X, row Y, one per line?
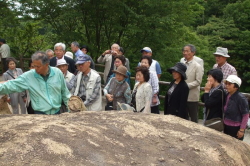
column 116, row 45
column 60, row 45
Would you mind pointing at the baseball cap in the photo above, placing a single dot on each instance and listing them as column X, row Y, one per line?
column 82, row 59
column 147, row 49
column 61, row 62
column 234, row 79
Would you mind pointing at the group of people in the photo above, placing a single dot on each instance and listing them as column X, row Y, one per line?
column 56, row 78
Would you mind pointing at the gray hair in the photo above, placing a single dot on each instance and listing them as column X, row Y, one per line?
column 60, row 45
column 42, row 56
column 49, row 50
column 191, row 46
column 75, row 43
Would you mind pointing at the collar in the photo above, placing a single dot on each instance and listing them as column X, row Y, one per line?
column 49, row 74
column 225, row 64
column 188, row 62
column 61, row 58
column 78, row 52
column 119, row 82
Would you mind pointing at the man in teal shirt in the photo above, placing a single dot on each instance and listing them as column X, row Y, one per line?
column 45, row 84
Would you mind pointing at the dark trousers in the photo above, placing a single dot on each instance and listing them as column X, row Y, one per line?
column 4, row 65
column 30, row 109
column 192, row 109
column 155, row 109
column 232, row 131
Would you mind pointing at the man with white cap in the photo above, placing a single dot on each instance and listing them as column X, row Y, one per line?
column 236, row 109
column 155, row 66
column 63, row 66
column 87, row 84
column 221, row 56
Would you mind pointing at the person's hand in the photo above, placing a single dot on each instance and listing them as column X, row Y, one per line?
column 106, row 52
column 154, row 100
column 109, row 97
column 8, row 100
column 114, row 53
column 240, row 134
column 207, row 87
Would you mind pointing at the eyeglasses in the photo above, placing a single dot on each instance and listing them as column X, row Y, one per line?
column 228, row 83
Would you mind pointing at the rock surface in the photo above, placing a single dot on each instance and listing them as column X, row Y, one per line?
column 114, row 138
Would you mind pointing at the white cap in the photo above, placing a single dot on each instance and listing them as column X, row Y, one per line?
column 61, row 62
column 222, row 52
column 234, row 79
column 147, row 49
column 69, row 54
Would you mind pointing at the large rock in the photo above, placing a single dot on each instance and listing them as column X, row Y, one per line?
column 114, row 138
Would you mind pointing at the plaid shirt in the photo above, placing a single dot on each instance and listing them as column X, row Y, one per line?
column 82, row 90
column 226, row 69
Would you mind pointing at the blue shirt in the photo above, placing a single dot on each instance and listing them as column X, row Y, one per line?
column 78, row 53
column 45, row 96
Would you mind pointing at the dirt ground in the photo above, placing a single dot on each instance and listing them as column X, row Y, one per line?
column 114, row 139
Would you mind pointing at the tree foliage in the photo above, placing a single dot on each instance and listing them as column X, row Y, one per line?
column 165, row 26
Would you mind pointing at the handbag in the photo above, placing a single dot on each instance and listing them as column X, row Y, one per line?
column 215, row 123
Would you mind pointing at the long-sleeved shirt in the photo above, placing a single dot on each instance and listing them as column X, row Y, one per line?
column 127, row 93
column 82, row 89
column 46, row 96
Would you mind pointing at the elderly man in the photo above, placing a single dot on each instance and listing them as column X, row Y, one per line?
column 108, row 57
column 45, row 85
column 63, row 66
column 87, row 84
column 155, row 66
column 221, row 56
column 59, row 49
column 50, row 53
column 194, row 74
column 75, row 48
column 4, row 53
column 196, row 58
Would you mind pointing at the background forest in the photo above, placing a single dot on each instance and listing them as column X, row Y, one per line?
column 163, row 25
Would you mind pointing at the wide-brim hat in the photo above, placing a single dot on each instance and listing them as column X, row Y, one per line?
column 222, row 52
column 233, row 79
column 121, row 70
column 76, row 104
column 124, row 107
column 180, row 68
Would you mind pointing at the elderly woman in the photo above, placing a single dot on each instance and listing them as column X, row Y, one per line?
column 214, row 96
column 154, row 82
column 236, row 109
column 177, row 94
column 17, row 98
column 117, row 89
column 120, row 60
column 142, row 92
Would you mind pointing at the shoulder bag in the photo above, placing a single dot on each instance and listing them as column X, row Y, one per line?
column 216, row 123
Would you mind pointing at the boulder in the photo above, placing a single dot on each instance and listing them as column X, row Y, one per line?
column 114, row 138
